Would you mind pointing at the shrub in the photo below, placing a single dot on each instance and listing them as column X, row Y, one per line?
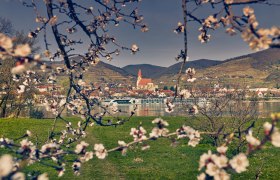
column 36, row 113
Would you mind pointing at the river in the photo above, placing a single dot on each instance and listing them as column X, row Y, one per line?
column 264, row 109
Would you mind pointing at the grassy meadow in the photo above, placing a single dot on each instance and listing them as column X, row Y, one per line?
column 161, row 161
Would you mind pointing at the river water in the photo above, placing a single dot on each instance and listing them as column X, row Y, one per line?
column 264, row 109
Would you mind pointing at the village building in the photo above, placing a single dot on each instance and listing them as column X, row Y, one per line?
column 145, row 83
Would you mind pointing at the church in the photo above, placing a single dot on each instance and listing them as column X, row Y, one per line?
column 144, row 83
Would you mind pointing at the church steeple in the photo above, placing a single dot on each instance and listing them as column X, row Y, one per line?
column 139, row 73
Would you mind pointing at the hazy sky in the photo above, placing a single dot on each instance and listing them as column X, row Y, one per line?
column 160, row 45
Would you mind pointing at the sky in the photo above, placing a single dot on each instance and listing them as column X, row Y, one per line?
column 160, row 45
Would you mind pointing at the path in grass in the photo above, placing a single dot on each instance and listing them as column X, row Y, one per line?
column 161, row 161
column 99, row 169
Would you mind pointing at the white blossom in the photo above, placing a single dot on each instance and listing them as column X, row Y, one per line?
column 6, row 165
column 248, row 11
column 252, row 140
column 187, row 131
column 193, row 142
column 18, row 176
column 229, row 1
column 21, row 89
column 28, row 133
column 22, row 50
column 205, row 159
column 122, row 143
column 88, row 156
column 43, row 176
column 222, row 149
column 144, row 28
column 185, row 93
column 160, row 122
column 220, row 161
column 275, row 139
column 169, row 105
column 212, row 169
column 138, row 134
column 239, row 163
column 191, row 79
column 80, row 147
column 5, row 42
column 267, row 127
column 190, row 71
column 76, row 167
column 202, row 176
column 26, row 144
column 157, row 132
column 61, row 172
column 134, row 48
column 193, row 110
column 231, row 31
column 49, row 146
column 123, row 147
column 222, row 175
column 100, row 151
column 180, row 28
column 169, row 110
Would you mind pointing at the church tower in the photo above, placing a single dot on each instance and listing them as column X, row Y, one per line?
column 139, row 78
column 144, row 83
column 139, row 74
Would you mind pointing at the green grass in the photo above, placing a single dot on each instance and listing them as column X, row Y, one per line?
column 161, row 161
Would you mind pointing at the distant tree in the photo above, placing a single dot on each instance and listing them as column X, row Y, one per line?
column 11, row 103
column 241, row 116
column 6, row 26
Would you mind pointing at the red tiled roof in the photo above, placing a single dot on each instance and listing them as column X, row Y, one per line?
column 166, row 91
column 144, row 81
column 47, row 86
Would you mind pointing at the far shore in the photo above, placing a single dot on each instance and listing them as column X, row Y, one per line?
column 270, row 100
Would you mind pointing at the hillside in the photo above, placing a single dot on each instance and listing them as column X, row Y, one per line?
column 274, row 76
column 256, row 70
column 261, row 59
column 103, row 72
column 148, row 70
column 197, row 64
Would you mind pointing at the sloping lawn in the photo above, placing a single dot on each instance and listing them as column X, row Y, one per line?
column 161, row 161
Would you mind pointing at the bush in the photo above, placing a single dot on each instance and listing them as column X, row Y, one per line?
column 36, row 113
